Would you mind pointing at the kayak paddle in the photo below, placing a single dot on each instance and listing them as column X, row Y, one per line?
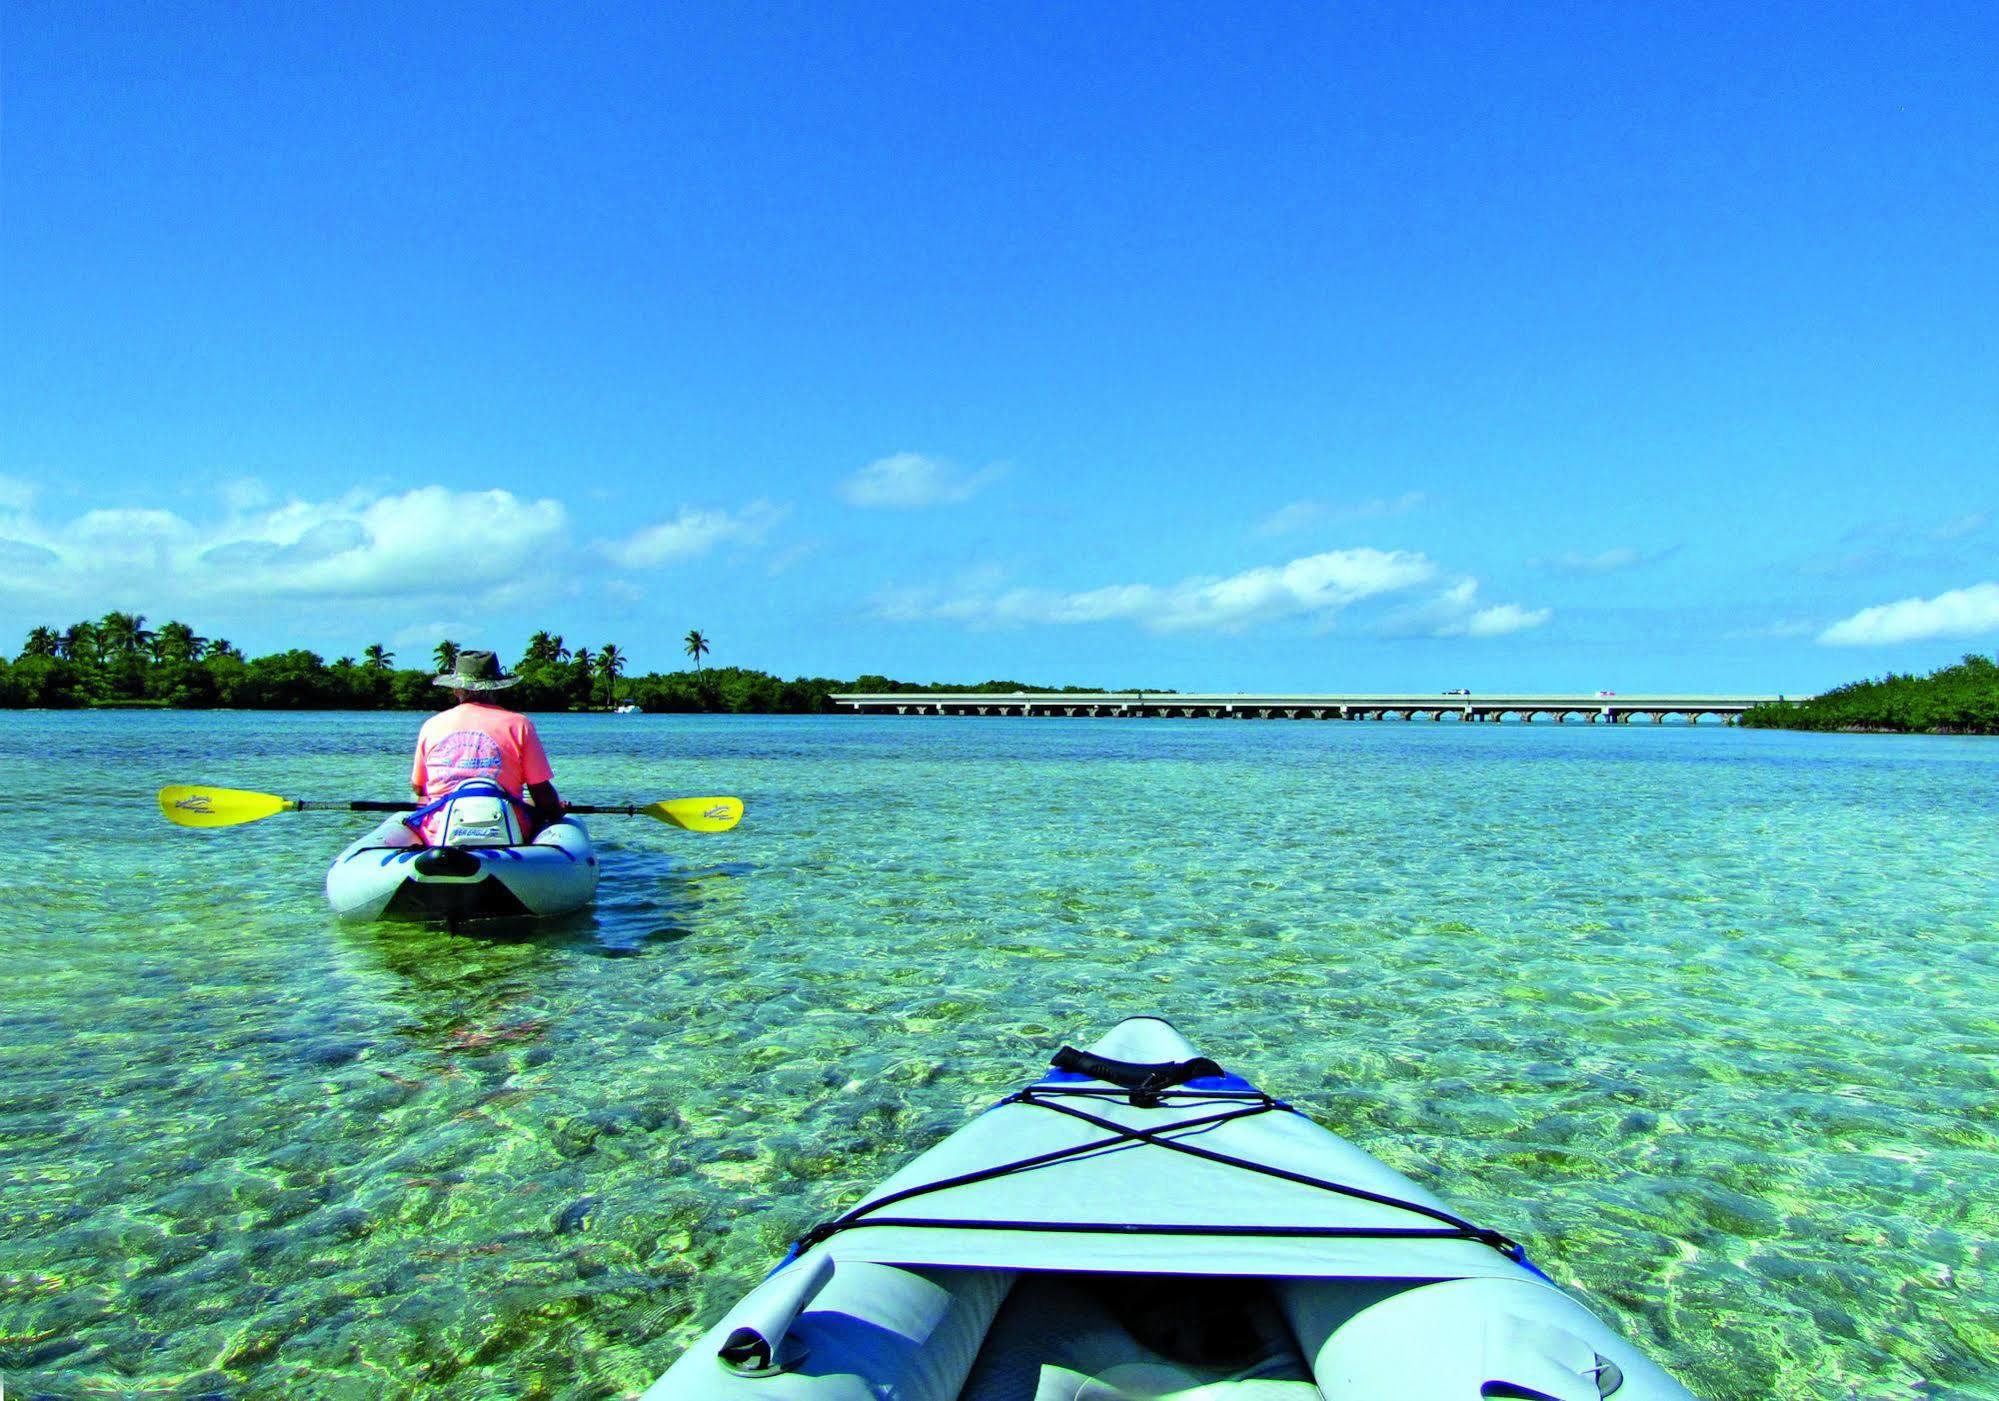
column 202, row 806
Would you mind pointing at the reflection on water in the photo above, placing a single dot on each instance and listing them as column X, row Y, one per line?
column 1707, row 1017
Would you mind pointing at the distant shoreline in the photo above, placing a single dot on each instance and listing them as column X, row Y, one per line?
column 1961, row 699
column 118, row 663
column 157, row 707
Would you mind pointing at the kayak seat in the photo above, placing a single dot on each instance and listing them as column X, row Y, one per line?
column 1095, row 1337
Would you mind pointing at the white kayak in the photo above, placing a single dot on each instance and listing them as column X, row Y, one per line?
column 389, row 874
column 1140, row 1224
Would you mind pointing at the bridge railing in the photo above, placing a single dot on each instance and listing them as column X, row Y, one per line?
column 1559, row 707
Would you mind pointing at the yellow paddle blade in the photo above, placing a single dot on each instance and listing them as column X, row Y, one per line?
column 201, row 806
column 698, row 814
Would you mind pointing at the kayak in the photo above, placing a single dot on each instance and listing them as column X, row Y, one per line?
column 389, row 874
column 1139, row 1223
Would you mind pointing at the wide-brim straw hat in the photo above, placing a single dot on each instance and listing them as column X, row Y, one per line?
column 475, row 671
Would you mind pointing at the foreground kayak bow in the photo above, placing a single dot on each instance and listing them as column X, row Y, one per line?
column 1140, row 1223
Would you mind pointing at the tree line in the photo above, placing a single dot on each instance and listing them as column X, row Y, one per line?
column 118, row 661
column 1958, row 699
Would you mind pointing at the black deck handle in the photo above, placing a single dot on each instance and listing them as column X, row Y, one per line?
column 1144, row 1080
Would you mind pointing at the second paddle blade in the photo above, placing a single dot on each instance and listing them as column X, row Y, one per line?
column 202, row 806
column 699, row 814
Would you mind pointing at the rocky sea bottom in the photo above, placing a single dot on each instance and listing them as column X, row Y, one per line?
column 1706, row 1017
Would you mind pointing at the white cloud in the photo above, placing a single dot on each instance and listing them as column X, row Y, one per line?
column 423, row 540
column 692, row 533
column 1501, row 619
column 1292, row 516
column 17, row 496
column 1602, row 562
column 1459, row 612
column 1956, row 613
column 1962, row 526
column 1302, row 515
column 1316, row 585
column 327, row 539
column 1782, row 628
column 425, row 543
column 127, row 540
column 907, row 481
column 242, row 495
column 428, row 551
column 1881, row 546
column 791, row 557
column 19, row 555
column 428, row 635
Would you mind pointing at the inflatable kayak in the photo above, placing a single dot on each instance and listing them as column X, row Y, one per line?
column 1138, row 1223
column 390, row 874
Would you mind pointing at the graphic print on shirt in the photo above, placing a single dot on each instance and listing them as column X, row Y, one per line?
column 460, row 757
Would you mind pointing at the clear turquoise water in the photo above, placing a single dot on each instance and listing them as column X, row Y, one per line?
column 1708, row 1017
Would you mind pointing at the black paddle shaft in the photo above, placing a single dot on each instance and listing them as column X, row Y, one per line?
column 379, row 805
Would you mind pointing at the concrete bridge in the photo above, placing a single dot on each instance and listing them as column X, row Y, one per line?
column 1601, row 708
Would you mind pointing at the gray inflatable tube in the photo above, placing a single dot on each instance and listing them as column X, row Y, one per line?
column 389, row 874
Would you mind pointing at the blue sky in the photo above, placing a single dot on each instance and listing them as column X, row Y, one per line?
column 1223, row 348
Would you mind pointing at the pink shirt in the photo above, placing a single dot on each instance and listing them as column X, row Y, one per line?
column 476, row 741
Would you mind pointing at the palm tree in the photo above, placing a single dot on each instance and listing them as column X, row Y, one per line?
column 79, row 642
column 343, row 664
column 42, row 642
column 545, row 649
column 696, row 646
column 610, row 662
column 177, row 642
column 446, row 654
column 221, row 647
column 377, row 657
column 124, row 634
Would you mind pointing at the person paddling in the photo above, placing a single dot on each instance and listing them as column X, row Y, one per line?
column 481, row 774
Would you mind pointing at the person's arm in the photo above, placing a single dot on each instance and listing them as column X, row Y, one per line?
column 419, row 775
column 539, row 777
column 547, row 804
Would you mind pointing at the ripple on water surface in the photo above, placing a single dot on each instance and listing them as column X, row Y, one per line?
column 1708, row 1017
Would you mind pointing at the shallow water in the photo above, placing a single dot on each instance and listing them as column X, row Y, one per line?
column 1708, row 1017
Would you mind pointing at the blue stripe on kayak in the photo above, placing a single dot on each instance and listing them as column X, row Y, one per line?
column 1225, row 1082
column 1200, row 1082
column 479, row 853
